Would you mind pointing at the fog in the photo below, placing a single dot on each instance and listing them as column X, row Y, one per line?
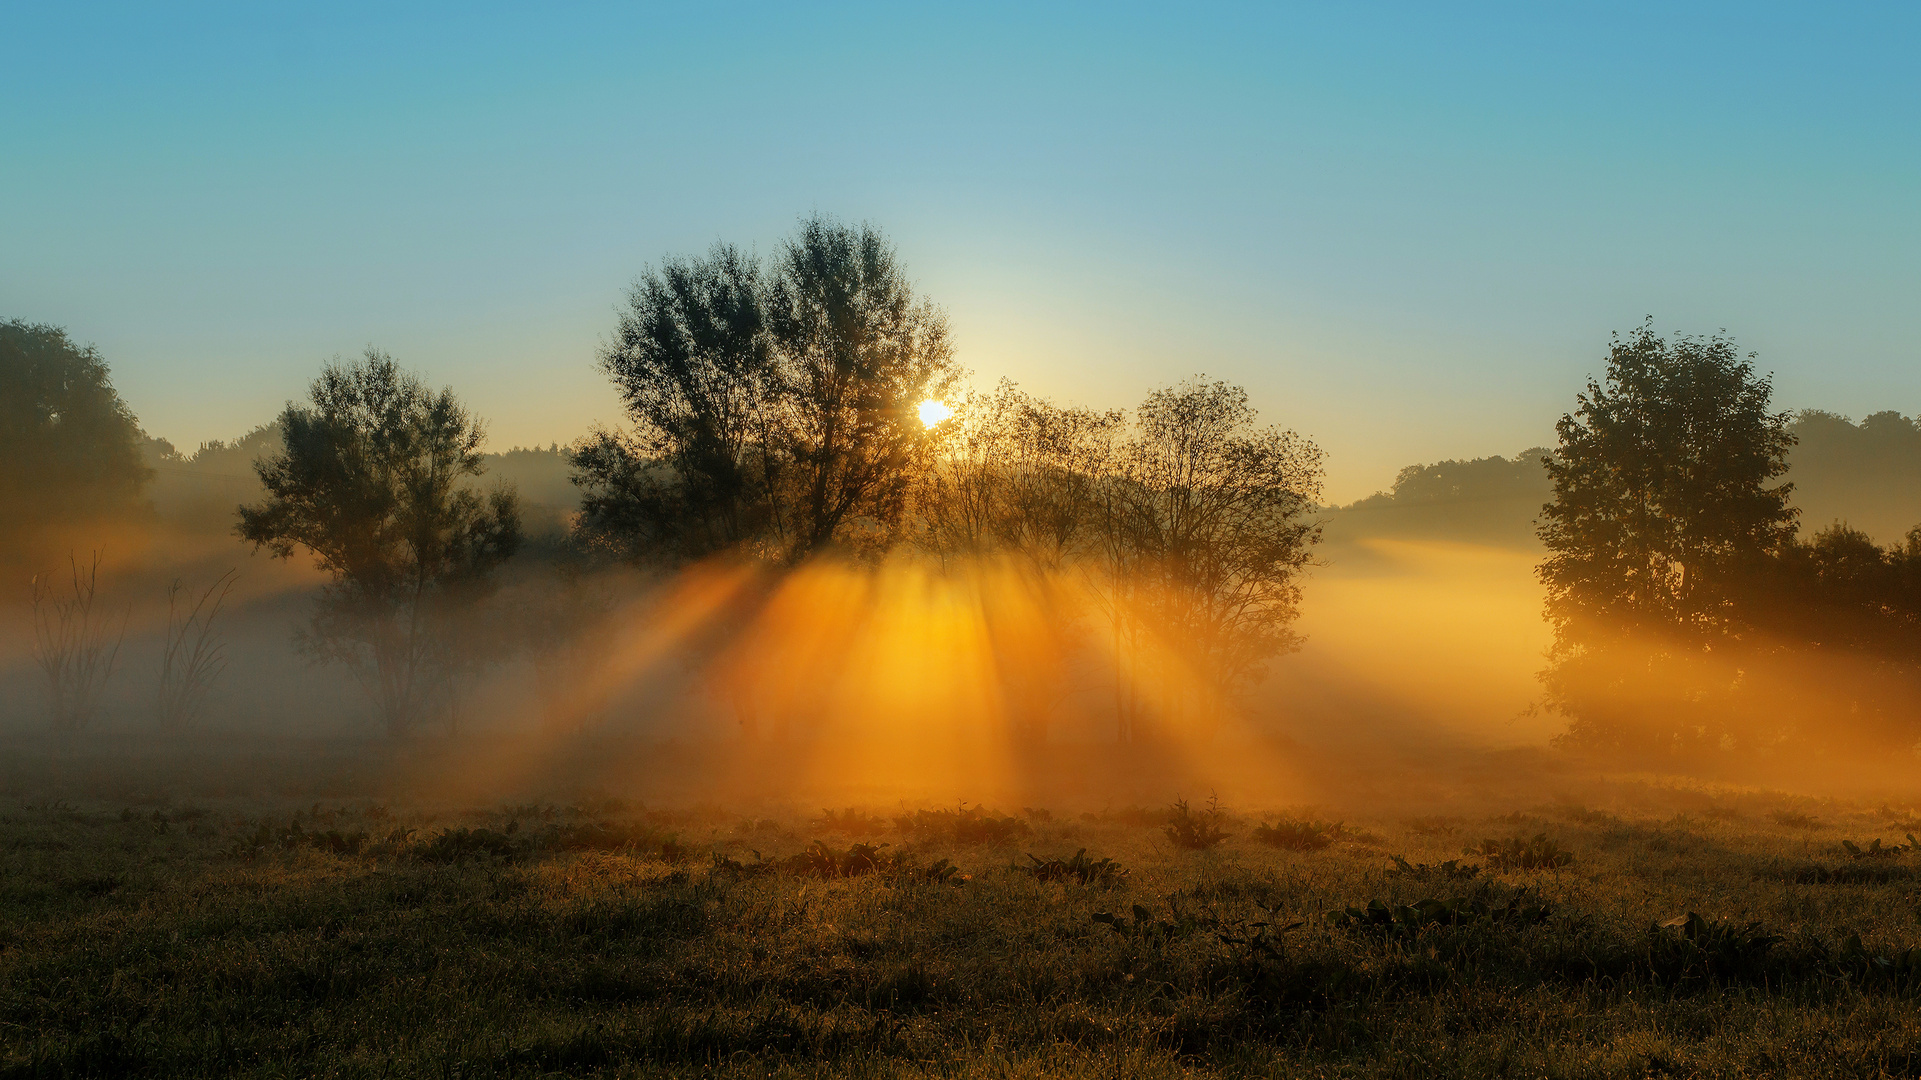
column 898, row 682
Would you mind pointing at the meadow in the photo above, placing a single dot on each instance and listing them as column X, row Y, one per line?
column 1564, row 924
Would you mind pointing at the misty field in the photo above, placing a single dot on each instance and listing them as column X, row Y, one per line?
column 155, row 934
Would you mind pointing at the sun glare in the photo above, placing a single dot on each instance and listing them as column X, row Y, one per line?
column 933, row 412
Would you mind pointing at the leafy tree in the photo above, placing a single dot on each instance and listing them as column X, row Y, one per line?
column 859, row 351
column 71, row 446
column 374, row 482
column 1664, row 504
column 694, row 365
column 774, row 413
column 1217, row 512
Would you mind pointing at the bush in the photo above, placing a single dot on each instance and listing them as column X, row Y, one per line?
column 963, row 827
column 1191, row 831
column 1103, row 872
column 1298, row 835
column 1520, row 852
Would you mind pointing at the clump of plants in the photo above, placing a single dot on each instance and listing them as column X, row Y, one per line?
column 1521, row 909
column 458, row 845
column 1451, row 870
column 1522, row 852
column 1432, row 826
column 632, row 838
column 850, row 822
column 1794, row 819
column 1691, row 946
column 860, row 860
column 1105, row 873
column 1300, row 834
column 962, row 826
column 1875, row 850
column 268, row 837
column 1195, row 831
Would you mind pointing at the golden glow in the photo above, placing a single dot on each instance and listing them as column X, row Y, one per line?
column 932, row 412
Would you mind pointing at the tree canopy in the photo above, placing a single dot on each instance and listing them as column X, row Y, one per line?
column 372, row 480
column 71, row 446
column 1665, row 505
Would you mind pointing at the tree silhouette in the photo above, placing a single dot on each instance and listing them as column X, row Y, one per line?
column 1664, row 502
column 71, row 446
column 373, row 481
column 774, row 413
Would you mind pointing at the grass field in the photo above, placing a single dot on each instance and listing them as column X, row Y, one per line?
column 353, row 937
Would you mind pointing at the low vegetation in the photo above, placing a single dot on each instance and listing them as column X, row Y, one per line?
column 600, row 938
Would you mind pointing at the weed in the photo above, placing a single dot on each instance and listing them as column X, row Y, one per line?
column 1432, row 826
column 819, row 860
column 459, row 845
column 850, row 822
column 1691, row 946
column 1299, row 835
column 1412, row 919
column 1874, row 850
column 1451, row 870
column 962, row 827
column 1520, row 852
column 1105, row 873
column 1192, row 831
column 1793, row 819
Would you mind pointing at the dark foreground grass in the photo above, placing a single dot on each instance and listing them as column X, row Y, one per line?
column 539, row 940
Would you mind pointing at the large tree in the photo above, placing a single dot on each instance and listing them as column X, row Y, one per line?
column 774, row 412
column 859, row 351
column 69, row 447
column 375, row 481
column 1217, row 515
column 1665, row 502
column 694, row 365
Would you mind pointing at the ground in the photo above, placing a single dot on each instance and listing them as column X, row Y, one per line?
column 159, row 934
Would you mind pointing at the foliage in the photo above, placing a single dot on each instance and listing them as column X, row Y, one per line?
column 1451, row 870
column 1299, row 834
column 962, row 826
column 1521, row 852
column 372, row 482
column 851, row 822
column 697, row 373
column 1874, row 850
column 774, row 411
column 1192, row 831
column 1217, row 518
column 1411, row 920
column 71, row 445
column 1691, row 946
column 1105, row 873
column 1663, row 500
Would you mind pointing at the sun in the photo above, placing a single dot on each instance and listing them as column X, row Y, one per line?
column 933, row 412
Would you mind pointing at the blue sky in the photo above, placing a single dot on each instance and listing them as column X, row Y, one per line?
column 1408, row 229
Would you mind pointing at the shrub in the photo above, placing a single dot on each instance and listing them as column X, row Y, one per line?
column 1451, row 870
column 963, row 827
column 1191, row 831
column 1522, row 852
column 1103, row 872
column 1411, row 919
column 1874, row 850
column 1299, row 835
column 1689, row 945
column 850, row 822
column 456, row 845
column 1794, row 819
